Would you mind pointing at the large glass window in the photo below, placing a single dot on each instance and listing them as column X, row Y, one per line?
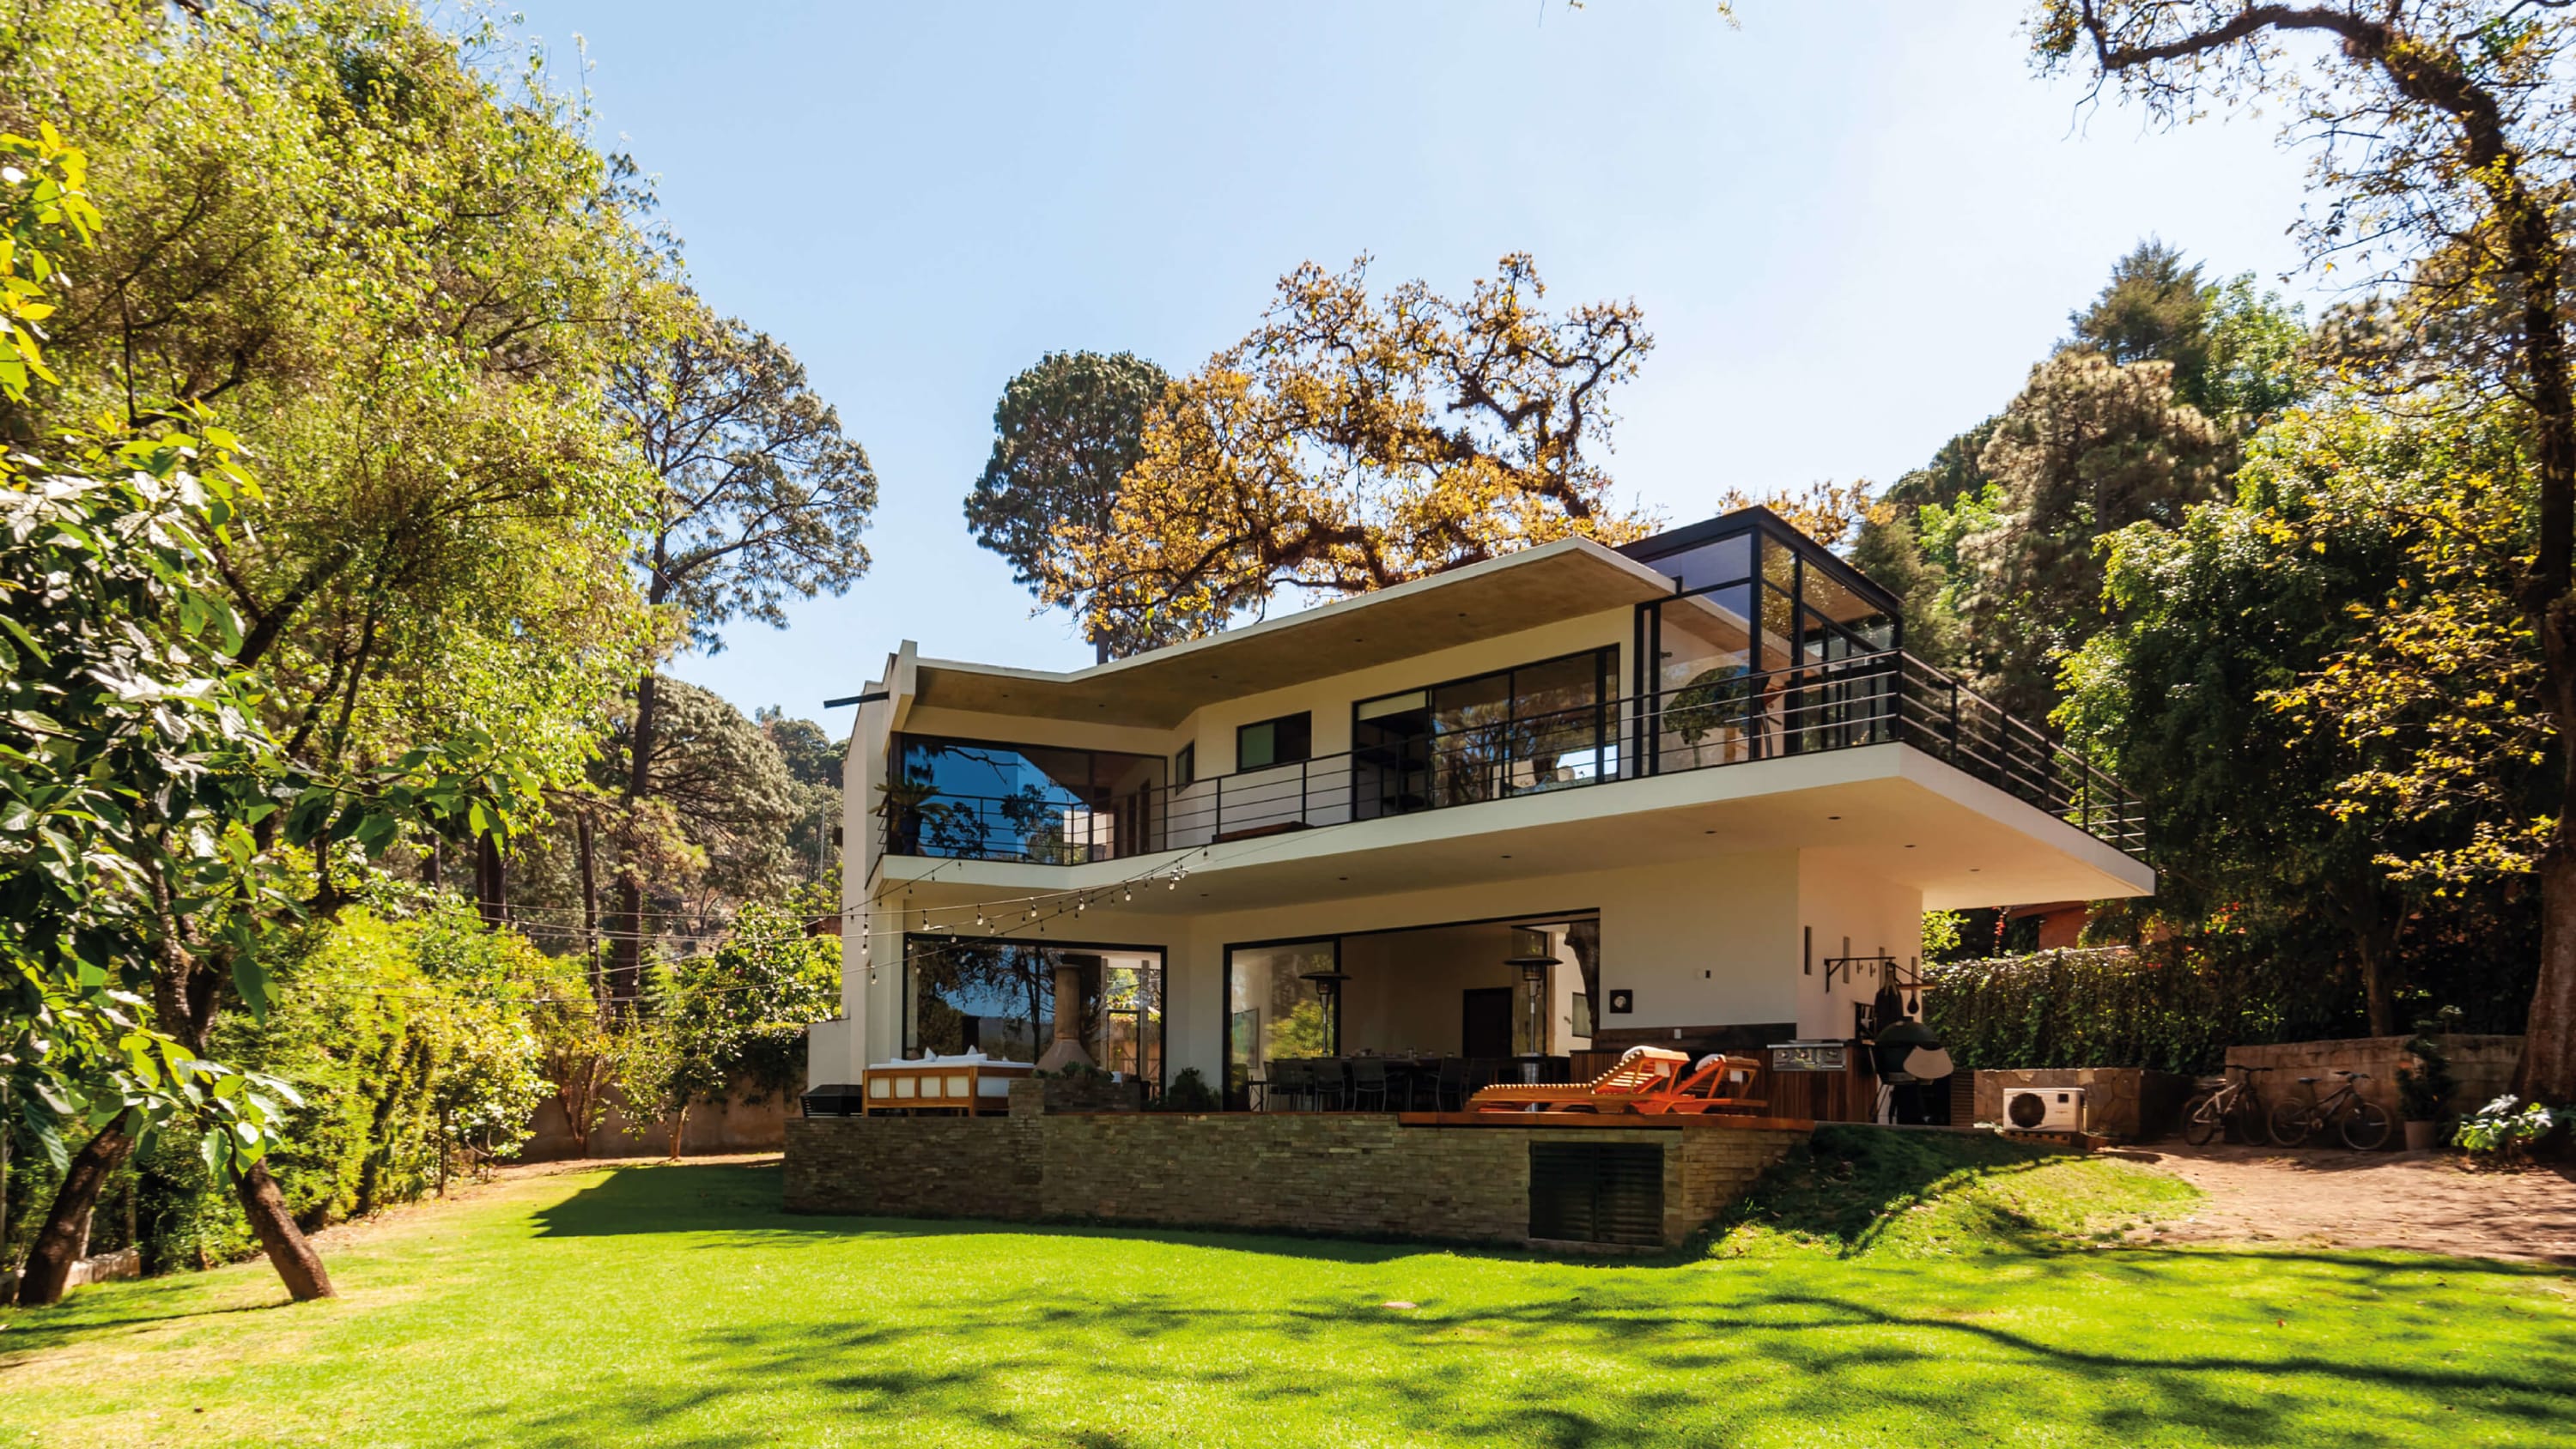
column 1747, row 659
column 987, row 801
column 961, row 994
column 1533, row 727
column 1279, row 1006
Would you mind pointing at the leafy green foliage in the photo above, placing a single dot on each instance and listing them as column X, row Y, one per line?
column 735, row 1018
column 2311, row 687
column 2170, row 1007
column 2508, row 1127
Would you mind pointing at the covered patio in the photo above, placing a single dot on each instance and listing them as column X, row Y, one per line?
column 1415, row 1019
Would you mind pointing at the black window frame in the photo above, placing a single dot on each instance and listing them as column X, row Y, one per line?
column 1185, row 766
column 907, row 1040
column 1303, row 722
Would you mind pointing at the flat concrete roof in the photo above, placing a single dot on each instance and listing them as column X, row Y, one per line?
column 1563, row 580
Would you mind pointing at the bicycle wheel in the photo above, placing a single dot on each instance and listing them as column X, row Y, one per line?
column 2365, row 1127
column 2253, row 1121
column 2289, row 1123
column 2201, row 1120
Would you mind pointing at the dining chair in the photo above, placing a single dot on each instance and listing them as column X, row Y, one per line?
column 1448, row 1085
column 1368, row 1081
column 1290, row 1085
column 1332, row 1082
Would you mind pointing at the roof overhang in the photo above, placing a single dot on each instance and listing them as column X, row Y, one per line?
column 1563, row 580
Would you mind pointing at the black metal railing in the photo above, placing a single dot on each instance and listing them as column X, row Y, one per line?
column 1716, row 719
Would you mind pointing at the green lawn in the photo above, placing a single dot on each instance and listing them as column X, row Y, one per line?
column 677, row 1306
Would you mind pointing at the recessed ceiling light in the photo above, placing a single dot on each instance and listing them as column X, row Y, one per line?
column 1506, row 857
column 1708, row 832
column 1972, row 870
column 1833, row 817
column 1909, row 847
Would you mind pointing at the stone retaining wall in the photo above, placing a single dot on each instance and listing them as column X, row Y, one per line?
column 2483, row 1064
column 1354, row 1174
column 2126, row 1103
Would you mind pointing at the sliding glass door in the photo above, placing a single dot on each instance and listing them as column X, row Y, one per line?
column 1279, row 1001
column 1508, row 732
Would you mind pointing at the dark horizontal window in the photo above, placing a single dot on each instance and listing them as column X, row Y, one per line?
column 1281, row 741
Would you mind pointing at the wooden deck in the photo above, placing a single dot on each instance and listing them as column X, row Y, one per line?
column 1610, row 1121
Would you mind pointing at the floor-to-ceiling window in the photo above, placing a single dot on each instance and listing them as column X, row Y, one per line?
column 985, row 801
column 1770, row 645
column 1512, row 731
column 965, row 994
column 1280, row 1001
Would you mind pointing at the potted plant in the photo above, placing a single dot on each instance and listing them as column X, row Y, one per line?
column 2424, row 1090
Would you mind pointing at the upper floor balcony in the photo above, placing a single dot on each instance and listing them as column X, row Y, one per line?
column 1499, row 738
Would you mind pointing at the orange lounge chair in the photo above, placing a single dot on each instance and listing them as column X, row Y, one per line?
column 1718, row 1084
column 1642, row 1072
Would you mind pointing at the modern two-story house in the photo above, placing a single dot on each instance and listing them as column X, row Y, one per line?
column 1689, row 792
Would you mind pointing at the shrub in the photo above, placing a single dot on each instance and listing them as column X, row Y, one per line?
column 1189, row 1092
column 2507, row 1127
column 2424, row 1090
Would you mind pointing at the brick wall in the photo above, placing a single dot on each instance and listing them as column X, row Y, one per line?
column 1351, row 1174
column 937, row 1167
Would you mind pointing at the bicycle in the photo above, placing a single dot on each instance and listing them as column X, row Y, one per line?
column 2364, row 1124
column 2232, row 1103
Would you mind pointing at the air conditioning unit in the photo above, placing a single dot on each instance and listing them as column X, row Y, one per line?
column 2044, row 1109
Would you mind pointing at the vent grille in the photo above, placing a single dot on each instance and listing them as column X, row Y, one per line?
column 1597, row 1192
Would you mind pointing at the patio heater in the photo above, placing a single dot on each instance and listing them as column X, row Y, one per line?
column 1328, row 995
column 1533, row 952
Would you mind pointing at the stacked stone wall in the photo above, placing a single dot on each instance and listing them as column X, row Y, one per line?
column 1358, row 1174
column 2483, row 1066
column 2126, row 1103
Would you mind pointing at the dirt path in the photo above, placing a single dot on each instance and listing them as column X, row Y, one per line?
column 2420, row 1201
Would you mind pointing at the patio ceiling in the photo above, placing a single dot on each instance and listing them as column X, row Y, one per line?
column 1564, row 580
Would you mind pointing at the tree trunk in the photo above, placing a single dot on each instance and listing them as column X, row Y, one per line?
column 491, row 881
column 2376, row 1003
column 679, row 1124
column 289, row 1252
column 589, row 857
column 2547, row 1071
column 626, row 953
column 47, row 1273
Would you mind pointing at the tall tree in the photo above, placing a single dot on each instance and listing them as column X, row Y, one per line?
column 758, row 497
column 2304, row 755
column 714, row 823
column 2155, row 308
column 404, row 265
column 2088, row 447
column 2443, row 130
column 1065, row 434
column 1354, row 442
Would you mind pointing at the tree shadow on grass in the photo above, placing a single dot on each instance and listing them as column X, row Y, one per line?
column 1644, row 1358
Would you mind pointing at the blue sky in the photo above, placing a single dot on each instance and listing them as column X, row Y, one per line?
column 1852, row 227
